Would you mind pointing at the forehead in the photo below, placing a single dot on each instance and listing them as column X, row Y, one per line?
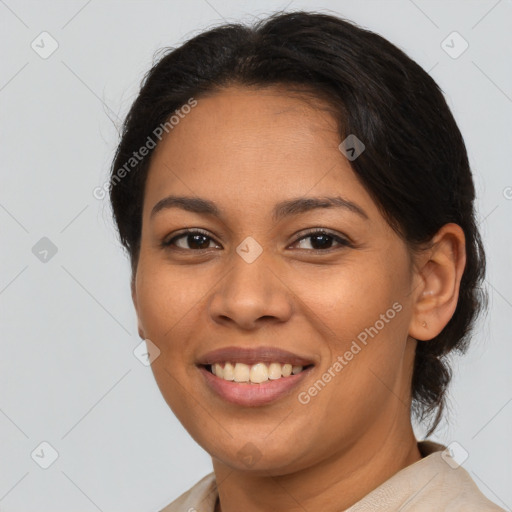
column 252, row 145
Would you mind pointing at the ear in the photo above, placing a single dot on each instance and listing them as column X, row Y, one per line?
column 134, row 299
column 438, row 274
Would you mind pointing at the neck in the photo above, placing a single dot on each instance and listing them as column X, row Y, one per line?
column 331, row 485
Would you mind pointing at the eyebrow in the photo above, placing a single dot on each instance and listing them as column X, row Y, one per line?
column 281, row 210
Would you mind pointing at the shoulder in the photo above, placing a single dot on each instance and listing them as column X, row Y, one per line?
column 436, row 482
column 455, row 484
column 452, row 487
column 199, row 498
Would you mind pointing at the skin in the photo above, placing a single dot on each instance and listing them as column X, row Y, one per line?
column 247, row 149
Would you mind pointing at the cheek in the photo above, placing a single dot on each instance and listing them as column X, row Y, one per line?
column 362, row 314
column 350, row 298
column 166, row 295
column 168, row 301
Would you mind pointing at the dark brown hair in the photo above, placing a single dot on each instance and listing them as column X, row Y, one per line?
column 415, row 164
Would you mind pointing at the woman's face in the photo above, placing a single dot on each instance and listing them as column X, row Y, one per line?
column 254, row 278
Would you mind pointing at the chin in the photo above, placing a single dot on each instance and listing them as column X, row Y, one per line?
column 271, row 460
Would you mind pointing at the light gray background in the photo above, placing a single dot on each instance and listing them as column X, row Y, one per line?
column 68, row 375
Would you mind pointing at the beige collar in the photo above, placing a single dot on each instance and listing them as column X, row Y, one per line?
column 435, row 482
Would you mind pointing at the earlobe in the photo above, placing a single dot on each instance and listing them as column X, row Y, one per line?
column 440, row 275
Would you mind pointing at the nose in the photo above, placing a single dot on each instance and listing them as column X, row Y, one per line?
column 250, row 295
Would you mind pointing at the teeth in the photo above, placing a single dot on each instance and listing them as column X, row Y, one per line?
column 259, row 373
column 296, row 369
column 286, row 371
column 274, row 371
column 256, row 373
column 219, row 371
column 242, row 372
column 229, row 372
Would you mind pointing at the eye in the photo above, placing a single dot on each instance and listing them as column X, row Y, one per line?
column 196, row 239
column 322, row 240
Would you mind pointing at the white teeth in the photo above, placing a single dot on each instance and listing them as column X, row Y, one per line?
column 259, row 373
column 219, row 371
column 256, row 373
column 274, row 371
column 242, row 372
column 286, row 370
column 229, row 372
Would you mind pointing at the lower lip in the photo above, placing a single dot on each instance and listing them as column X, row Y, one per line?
column 253, row 395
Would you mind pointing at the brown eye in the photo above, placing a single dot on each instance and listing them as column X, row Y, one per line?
column 190, row 240
column 322, row 240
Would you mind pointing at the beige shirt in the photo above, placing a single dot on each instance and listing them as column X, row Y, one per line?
column 434, row 483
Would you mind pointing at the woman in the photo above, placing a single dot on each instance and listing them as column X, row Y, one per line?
column 297, row 205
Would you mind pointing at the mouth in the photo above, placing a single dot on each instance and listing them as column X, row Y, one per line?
column 258, row 373
column 253, row 377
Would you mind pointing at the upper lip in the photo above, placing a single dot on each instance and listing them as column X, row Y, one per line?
column 251, row 356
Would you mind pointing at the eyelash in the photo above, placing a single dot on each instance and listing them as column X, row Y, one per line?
column 343, row 242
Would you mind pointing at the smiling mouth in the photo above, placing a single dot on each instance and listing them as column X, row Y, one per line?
column 255, row 373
